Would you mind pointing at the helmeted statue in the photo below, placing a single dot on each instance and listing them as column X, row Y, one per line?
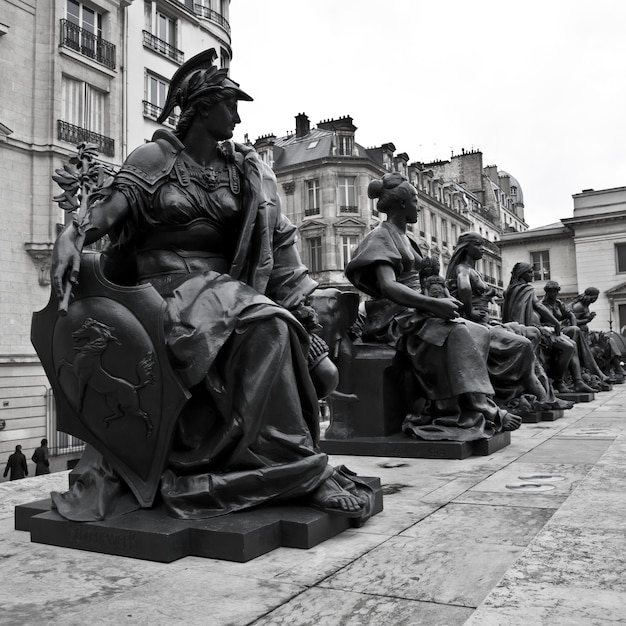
column 198, row 218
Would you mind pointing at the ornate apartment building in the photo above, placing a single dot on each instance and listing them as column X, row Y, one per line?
column 323, row 174
column 72, row 71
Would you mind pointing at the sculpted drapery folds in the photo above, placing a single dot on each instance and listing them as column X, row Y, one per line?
column 514, row 371
column 200, row 218
column 447, row 355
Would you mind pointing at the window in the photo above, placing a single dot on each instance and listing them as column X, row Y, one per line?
column 154, row 98
column 620, row 257
column 454, row 234
column 541, row 264
column 165, row 28
column 315, row 254
column 348, row 246
column 161, row 33
column 312, row 197
column 84, row 18
column 347, row 194
column 82, row 31
column 156, row 91
column 444, row 231
column 83, row 105
column 345, row 145
column 433, row 227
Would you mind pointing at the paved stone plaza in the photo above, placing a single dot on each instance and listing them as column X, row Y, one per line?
column 534, row 534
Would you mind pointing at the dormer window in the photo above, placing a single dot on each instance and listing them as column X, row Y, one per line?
column 345, row 145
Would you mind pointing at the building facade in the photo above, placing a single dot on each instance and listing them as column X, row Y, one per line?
column 323, row 174
column 72, row 71
column 585, row 250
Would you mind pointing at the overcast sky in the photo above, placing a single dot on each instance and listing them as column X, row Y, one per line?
column 539, row 86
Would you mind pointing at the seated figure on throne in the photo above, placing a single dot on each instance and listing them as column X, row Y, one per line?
column 522, row 305
column 200, row 217
column 517, row 376
column 569, row 327
column 447, row 355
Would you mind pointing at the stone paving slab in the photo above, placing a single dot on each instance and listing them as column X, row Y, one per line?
column 453, row 545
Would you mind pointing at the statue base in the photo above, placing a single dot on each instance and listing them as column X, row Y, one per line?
column 151, row 535
column 576, row 397
column 542, row 416
column 400, row 445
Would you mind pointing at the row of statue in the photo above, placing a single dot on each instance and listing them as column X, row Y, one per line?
column 195, row 219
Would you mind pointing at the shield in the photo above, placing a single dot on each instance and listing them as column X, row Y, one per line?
column 107, row 363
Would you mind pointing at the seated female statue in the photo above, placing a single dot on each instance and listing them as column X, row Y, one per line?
column 518, row 378
column 522, row 305
column 202, row 218
column 447, row 355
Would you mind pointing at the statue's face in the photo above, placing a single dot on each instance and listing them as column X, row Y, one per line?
column 221, row 119
column 475, row 250
column 436, row 291
column 527, row 275
column 552, row 293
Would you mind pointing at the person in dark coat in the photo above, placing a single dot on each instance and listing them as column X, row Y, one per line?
column 40, row 459
column 16, row 465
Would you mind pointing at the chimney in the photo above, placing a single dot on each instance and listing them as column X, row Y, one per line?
column 303, row 126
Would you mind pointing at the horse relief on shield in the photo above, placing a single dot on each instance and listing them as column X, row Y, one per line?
column 91, row 341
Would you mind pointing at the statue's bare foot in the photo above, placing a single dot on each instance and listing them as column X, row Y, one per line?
column 510, row 421
column 331, row 497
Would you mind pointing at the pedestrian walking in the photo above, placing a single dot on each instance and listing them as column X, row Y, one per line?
column 41, row 459
column 16, row 465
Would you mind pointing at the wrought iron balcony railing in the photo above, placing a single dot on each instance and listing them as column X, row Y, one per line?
column 214, row 16
column 75, row 134
column 153, row 111
column 158, row 45
column 348, row 209
column 87, row 44
column 314, row 211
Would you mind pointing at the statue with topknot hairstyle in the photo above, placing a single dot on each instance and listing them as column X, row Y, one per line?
column 446, row 356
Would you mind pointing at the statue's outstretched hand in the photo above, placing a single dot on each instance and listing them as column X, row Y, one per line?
column 65, row 266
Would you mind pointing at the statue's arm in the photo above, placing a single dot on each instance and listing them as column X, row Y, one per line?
column 104, row 215
column 390, row 288
column 464, row 290
column 546, row 315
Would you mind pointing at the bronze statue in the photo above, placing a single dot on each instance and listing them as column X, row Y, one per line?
column 447, row 355
column 198, row 217
column 583, row 315
column 522, row 305
column 569, row 327
column 518, row 378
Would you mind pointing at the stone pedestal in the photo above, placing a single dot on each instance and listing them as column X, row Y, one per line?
column 368, row 422
column 576, row 397
column 151, row 535
column 542, row 416
column 400, row 445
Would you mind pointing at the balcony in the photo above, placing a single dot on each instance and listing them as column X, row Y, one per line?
column 153, row 111
column 211, row 15
column 162, row 47
column 313, row 211
column 75, row 135
column 87, row 44
column 348, row 209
